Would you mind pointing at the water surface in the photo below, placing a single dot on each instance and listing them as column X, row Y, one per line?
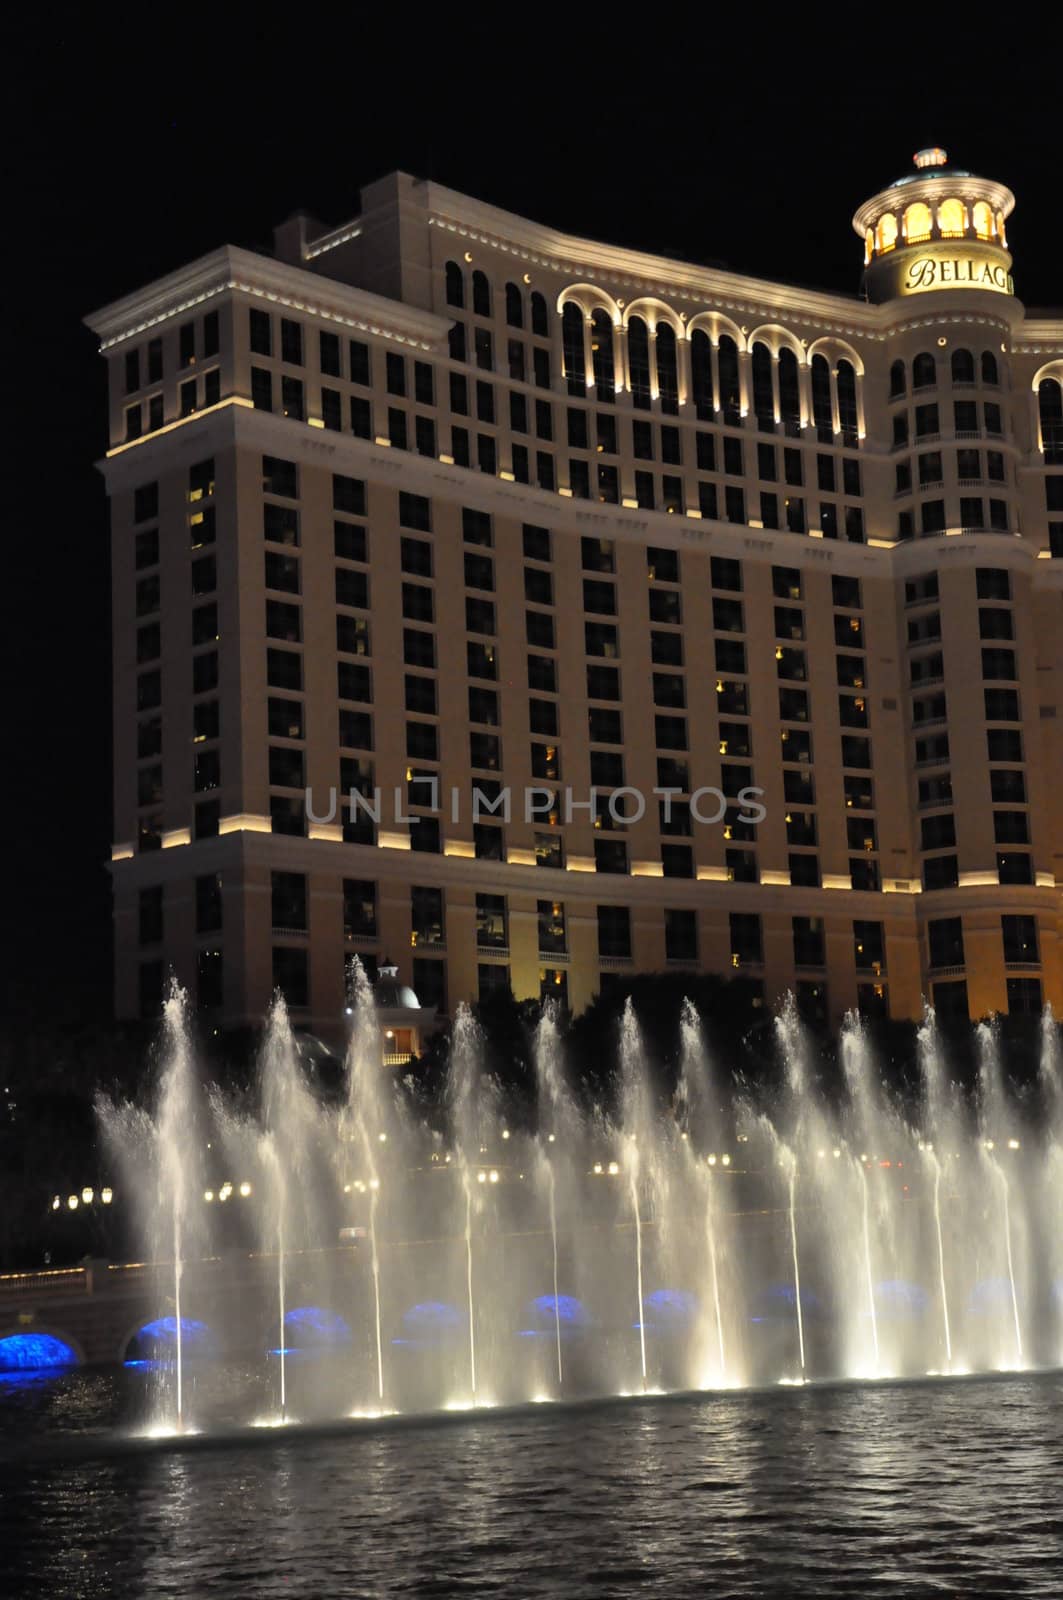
column 930, row 1489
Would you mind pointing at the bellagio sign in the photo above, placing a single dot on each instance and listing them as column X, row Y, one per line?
column 942, row 267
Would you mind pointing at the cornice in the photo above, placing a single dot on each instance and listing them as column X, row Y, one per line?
column 243, row 271
column 578, row 259
column 1040, row 336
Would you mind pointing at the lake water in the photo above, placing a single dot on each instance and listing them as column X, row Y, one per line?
column 929, row 1489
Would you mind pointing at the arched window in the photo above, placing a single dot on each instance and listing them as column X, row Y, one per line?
column 982, row 217
column 869, row 246
column 572, row 348
column 917, row 222
column 1001, row 235
column 789, row 391
column 455, row 285
column 990, row 372
column 730, row 387
column 763, row 399
column 602, row 354
column 924, row 371
column 962, row 366
column 822, row 414
column 638, row 352
column 481, row 294
column 887, row 232
column 898, row 380
column 847, row 412
column 952, row 219
column 667, row 368
column 1050, row 411
column 514, row 306
column 539, row 320
column 701, row 374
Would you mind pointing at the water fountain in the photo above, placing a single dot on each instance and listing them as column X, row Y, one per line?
column 693, row 1234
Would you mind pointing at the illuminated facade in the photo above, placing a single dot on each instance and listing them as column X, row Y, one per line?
column 445, row 495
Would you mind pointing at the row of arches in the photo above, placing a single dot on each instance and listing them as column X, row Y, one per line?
column 481, row 300
column 963, row 368
column 710, row 362
column 949, row 219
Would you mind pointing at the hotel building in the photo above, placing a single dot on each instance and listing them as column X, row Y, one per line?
column 442, row 500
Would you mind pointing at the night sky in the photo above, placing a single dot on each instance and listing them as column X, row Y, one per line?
column 129, row 156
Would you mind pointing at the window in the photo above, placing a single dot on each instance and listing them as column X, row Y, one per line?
column 285, row 717
column 418, row 602
column 680, row 935
column 280, row 477
column 924, row 371
column 422, row 741
column 355, row 729
column 993, row 583
column 614, row 932
column 289, row 901
column 421, row 695
column 927, row 424
column 492, row 924
column 485, row 752
column 604, row 726
column 1020, row 940
column 353, row 682
column 283, row 621
column 261, row 331
column 809, row 942
column 415, row 511
column 291, row 974
column 601, row 639
column 746, row 942
column 804, row 870
column 286, row 767
column 945, row 942
column 481, row 661
column 610, row 856
column 1001, row 704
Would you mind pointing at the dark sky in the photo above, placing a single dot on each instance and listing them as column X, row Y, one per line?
column 129, row 155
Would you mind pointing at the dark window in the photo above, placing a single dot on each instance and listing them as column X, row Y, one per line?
column 681, row 935
column 291, row 342
column 291, row 975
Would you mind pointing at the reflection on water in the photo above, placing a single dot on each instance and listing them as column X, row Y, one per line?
column 931, row 1489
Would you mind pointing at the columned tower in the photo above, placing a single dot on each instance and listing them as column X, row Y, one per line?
column 938, row 269
column 937, row 228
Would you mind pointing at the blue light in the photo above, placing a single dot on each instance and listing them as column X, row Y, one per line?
column 35, row 1352
column 565, row 1309
column 671, row 1305
column 315, row 1326
column 779, row 1298
column 163, row 1331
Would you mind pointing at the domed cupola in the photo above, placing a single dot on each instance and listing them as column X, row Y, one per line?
column 402, row 1019
column 936, row 228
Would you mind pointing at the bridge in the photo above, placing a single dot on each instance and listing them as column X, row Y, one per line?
column 99, row 1308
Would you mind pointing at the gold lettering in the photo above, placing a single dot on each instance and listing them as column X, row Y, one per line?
column 935, row 272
